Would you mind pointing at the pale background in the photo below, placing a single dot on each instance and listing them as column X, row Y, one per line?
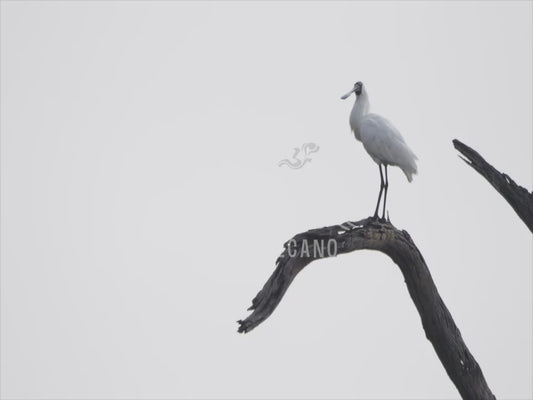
column 142, row 207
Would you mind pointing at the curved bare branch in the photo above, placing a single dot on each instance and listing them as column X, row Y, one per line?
column 382, row 236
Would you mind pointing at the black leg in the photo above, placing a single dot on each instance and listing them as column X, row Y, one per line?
column 386, row 190
column 380, row 191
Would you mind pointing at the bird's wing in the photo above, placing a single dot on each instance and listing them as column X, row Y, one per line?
column 385, row 143
column 377, row 122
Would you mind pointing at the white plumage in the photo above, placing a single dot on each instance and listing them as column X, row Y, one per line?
column 382, row 141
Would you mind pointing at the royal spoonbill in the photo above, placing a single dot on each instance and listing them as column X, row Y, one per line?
column 381, row 140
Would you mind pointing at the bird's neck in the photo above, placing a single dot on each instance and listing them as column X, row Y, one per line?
column 359, row 110
column 361, row 105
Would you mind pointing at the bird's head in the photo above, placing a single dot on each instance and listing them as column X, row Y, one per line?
column 357, row 89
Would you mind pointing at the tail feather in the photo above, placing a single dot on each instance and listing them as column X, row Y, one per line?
column 409, row 170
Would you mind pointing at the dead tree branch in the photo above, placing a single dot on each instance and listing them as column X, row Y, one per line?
column 519, row 198
column 370, row 234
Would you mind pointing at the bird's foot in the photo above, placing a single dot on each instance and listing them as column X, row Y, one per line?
column 381, row 220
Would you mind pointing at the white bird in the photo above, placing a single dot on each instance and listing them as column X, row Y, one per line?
column 381, row 140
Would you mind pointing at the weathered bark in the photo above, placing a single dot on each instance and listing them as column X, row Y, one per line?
column 382, row 236
column 519, row 198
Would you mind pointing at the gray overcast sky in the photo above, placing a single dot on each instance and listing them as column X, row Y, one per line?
column 142, row 205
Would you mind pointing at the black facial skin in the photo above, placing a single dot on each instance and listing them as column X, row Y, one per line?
column 358, row 88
